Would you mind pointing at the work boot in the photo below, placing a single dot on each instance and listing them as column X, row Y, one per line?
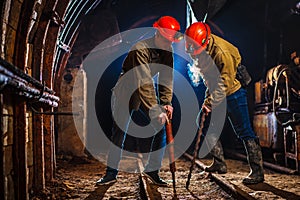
column 218, row 164
column 254, row 156
column 107, row 179
column 154, row 177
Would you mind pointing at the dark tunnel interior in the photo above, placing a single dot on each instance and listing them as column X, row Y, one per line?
column 266, row 33
column 60, row 62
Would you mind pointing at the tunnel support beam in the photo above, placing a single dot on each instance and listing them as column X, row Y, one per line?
column 49, row 147
column 20, row 151
column 38, row 148
column 42, row 62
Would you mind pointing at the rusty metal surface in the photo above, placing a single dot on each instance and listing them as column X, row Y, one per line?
column 38, row 152
column 20, row 151
column 196, row 149
column 170, row 142
column 19, row 56
column 48, row 20
column 50, row 37
column 269, row 130
column 265, row 126
column 292, row 146
column 49, row 145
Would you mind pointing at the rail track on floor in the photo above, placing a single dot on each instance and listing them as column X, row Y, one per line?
column 224, row 186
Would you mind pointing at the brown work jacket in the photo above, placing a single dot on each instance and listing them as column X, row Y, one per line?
column 145, row 65
column 218, row 67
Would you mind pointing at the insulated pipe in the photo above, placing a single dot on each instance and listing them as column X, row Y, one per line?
column 16, row 71
column 23, row 88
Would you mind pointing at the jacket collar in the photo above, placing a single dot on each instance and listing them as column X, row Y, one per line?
column 210, row 44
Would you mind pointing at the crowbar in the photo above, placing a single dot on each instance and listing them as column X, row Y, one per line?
column 170, row 142
column 199, row 133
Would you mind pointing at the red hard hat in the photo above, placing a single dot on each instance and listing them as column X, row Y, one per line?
column 169, row 28
column 197, row 37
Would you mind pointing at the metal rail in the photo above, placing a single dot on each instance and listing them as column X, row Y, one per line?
column 147, row 193
column 234, row 190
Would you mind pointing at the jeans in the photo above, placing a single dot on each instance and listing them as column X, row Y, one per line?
column 238, row 115
column 158, row 144
column 237, row 109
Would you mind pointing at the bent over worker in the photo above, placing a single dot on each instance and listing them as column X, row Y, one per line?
column 200, row 44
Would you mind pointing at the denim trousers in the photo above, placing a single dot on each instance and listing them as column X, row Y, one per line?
column 237, row 109
column 238, row 115
column 156, row 151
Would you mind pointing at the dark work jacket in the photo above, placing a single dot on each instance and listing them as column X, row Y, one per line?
column 140, row 66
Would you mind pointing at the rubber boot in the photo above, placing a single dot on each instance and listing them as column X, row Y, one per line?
column 218, row 164
column 255, row 161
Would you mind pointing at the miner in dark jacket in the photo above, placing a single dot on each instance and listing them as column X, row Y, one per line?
column 136, row 91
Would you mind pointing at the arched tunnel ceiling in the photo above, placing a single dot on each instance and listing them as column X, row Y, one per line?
column 113, row 16
column 98, row 20
column 109, row 17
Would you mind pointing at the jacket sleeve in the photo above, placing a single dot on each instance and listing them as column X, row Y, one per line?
column 226, row 65
column 166, row 81
column 146, row 90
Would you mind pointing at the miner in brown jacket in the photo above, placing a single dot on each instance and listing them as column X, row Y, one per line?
column 136, row 91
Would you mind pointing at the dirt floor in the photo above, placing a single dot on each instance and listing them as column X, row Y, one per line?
column 275, row 186
column 76, row 177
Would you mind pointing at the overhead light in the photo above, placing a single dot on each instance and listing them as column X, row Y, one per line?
column 298, row 5
column 296, row 10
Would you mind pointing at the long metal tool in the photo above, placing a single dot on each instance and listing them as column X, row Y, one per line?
column 199, row 133
column 170, row 142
